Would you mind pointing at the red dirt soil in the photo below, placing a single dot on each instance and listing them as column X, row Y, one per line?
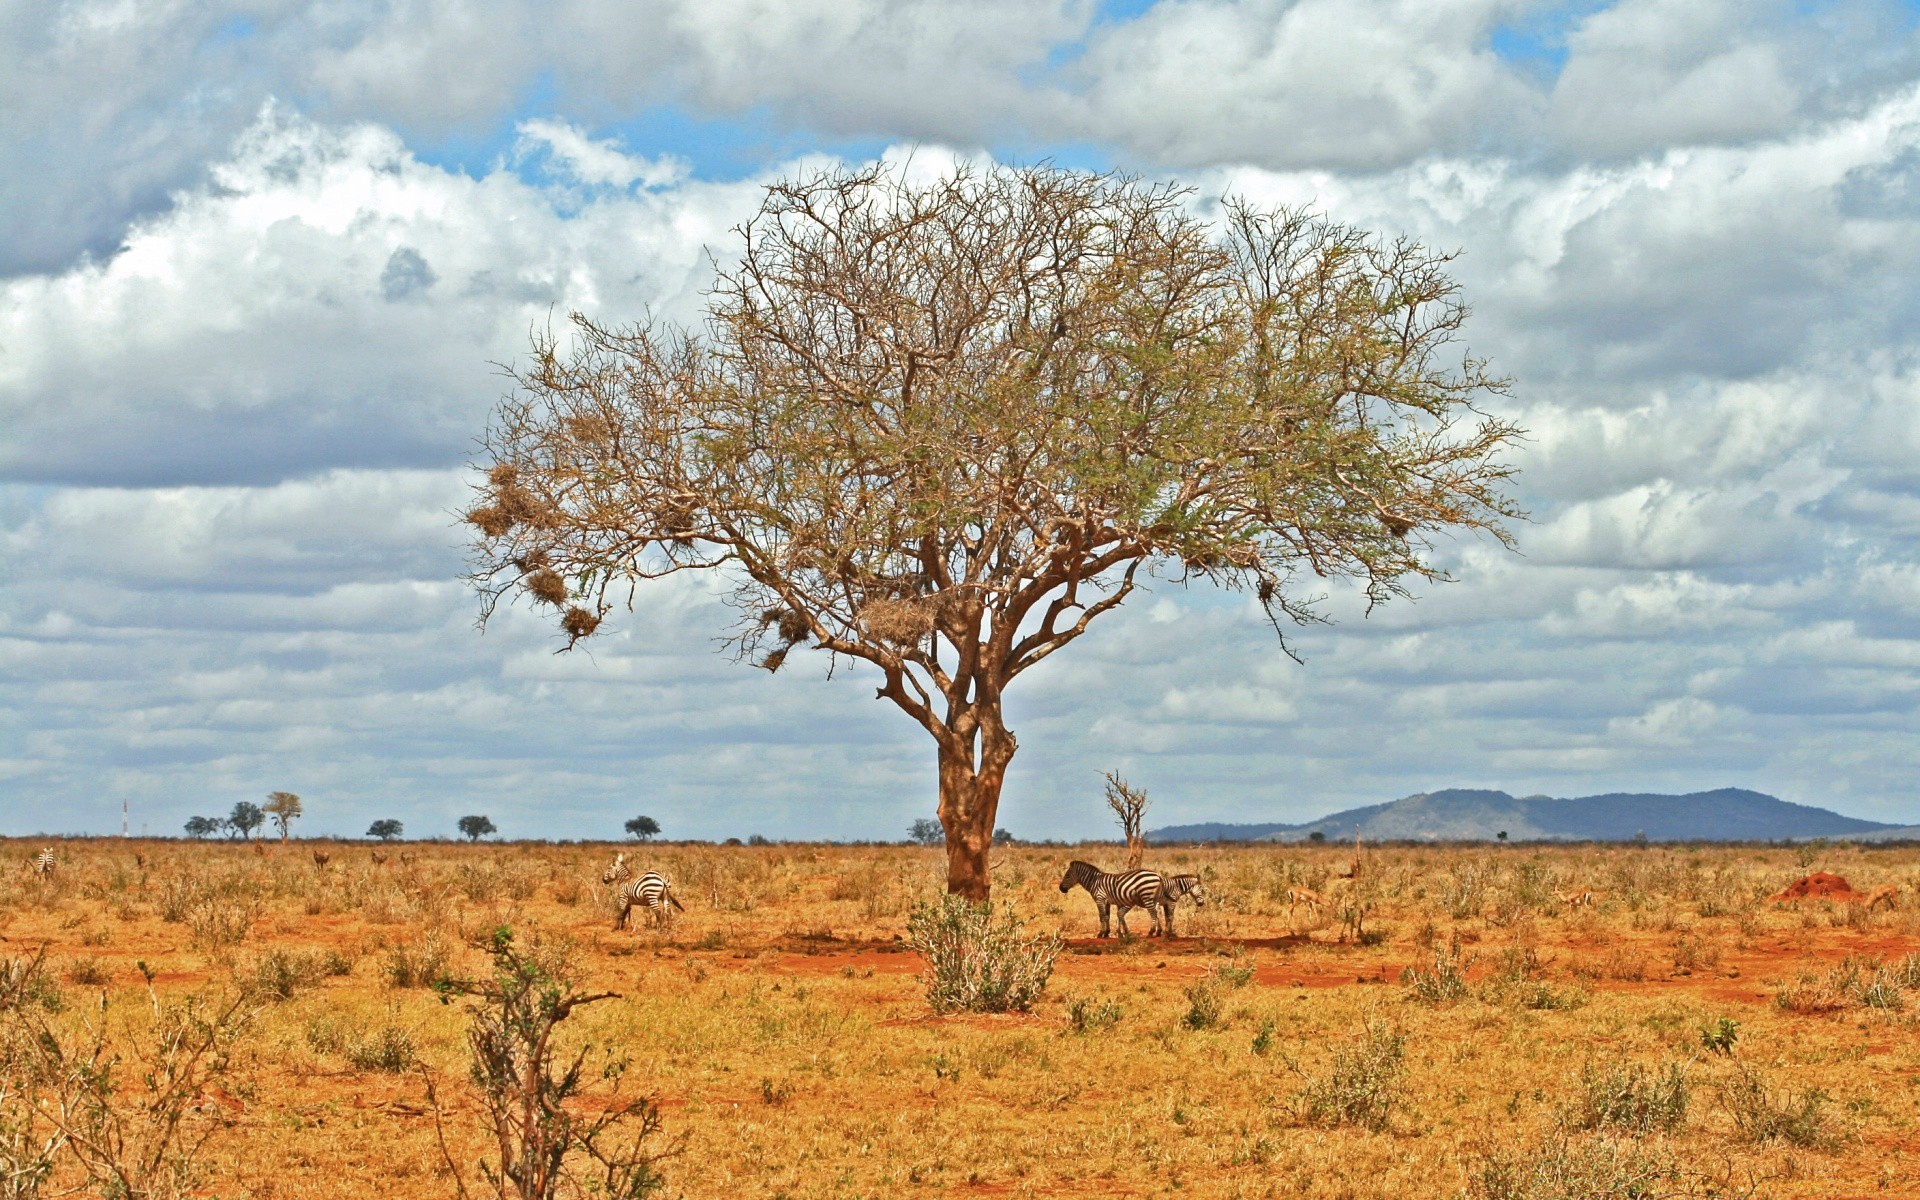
column 1820, row 885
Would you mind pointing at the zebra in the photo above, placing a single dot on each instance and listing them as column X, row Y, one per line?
column 1171, row 889
column 651, row 891
column 1130, row 889
column 44, row 863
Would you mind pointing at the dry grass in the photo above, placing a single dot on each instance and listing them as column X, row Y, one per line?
column 784, row 1028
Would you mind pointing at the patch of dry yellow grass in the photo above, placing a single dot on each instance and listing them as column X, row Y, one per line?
column 783, row 1030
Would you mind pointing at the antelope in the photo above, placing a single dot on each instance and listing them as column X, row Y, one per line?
column 1298, row 895
column 1887, row 894
column 1581, row 898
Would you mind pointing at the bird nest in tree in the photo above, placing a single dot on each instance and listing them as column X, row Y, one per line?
column 899, row 622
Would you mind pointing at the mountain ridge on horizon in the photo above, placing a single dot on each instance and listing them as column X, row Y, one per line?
column 1482, row 814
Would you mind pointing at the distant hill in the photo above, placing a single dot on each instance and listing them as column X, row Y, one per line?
column 1471, row 814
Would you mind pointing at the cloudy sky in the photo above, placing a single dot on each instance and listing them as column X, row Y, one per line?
column 256, row 261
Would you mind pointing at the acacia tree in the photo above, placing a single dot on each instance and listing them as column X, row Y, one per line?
column 940, row 428
column 284, row 808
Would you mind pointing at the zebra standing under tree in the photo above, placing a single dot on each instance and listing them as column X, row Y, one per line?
column 1129, row 889
column 651, row 892
column 1171, row 890
column 44, row 863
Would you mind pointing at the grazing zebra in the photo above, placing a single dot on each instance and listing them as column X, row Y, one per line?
column 651, row 892
column 44, row 863
column 1171, row 889
column 1129, row 889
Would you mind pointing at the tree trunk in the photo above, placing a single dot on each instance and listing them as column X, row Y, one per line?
column 1136, row 851
column 969, row 800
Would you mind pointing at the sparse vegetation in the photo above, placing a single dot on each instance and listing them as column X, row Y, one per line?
column 976, row 963
column 790, row 967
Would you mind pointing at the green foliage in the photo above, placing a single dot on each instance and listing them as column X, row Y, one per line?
column 1443, row 981
column 1631, row 1099
column 1719, row 1035
column 1086, row 1015
column 976, row 963
column 386, row 829
column 1561, row 1167
column 1367, row 1081
column 1761, row 1112
column 475, row 827
column 643, row 828
column 245, row 818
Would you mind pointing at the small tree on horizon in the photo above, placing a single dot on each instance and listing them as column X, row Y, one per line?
column 476, row 827
column 926, row 832
column 245, row 818
column 643, row 828
column 200, row 827
column 386, row 829
column 941, row 427
column 284, row 808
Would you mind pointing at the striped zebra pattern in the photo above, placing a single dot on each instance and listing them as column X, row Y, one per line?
column 1129, row 889
column 1171, row 890
column 651, row 891
column 44, row 863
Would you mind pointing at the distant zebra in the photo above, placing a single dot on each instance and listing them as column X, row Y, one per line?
column 1171, row 890
column 651, row 892
column 44, row 863
column 1130, row 889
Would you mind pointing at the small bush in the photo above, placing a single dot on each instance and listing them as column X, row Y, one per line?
column 1442, row 983
column 388, row 1048
column 1564, row 1168
column 1760, row 1113
column 1718, row 1036
column 88, row 972
column 1203, row 1005
column 417, row 964
column 1085, row 1015
column 1631, row 1098
column 976, row 963
column 216, row 922
column 1367, row 1082
column 281, row 974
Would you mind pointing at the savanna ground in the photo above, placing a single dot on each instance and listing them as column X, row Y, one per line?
column 1681, row 1036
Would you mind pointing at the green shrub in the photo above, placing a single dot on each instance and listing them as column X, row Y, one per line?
column 976, row 963
column 1760, row 1113
column 417, row 964
column 388, row 1048
column 281, row 974
column 1565, row 1168
column 1085, row 1015
column 1631, row 1098
column 1442, row 983
column 1367, row 1082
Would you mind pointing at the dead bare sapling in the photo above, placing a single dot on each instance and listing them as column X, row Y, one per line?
column 1129, row 805
column 556, row 1128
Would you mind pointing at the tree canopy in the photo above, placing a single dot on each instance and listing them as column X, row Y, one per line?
column 476, row 827
column 386, row 829
column 940, row 428
column 245, row 818
column 643, row 828
column 284, row 808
